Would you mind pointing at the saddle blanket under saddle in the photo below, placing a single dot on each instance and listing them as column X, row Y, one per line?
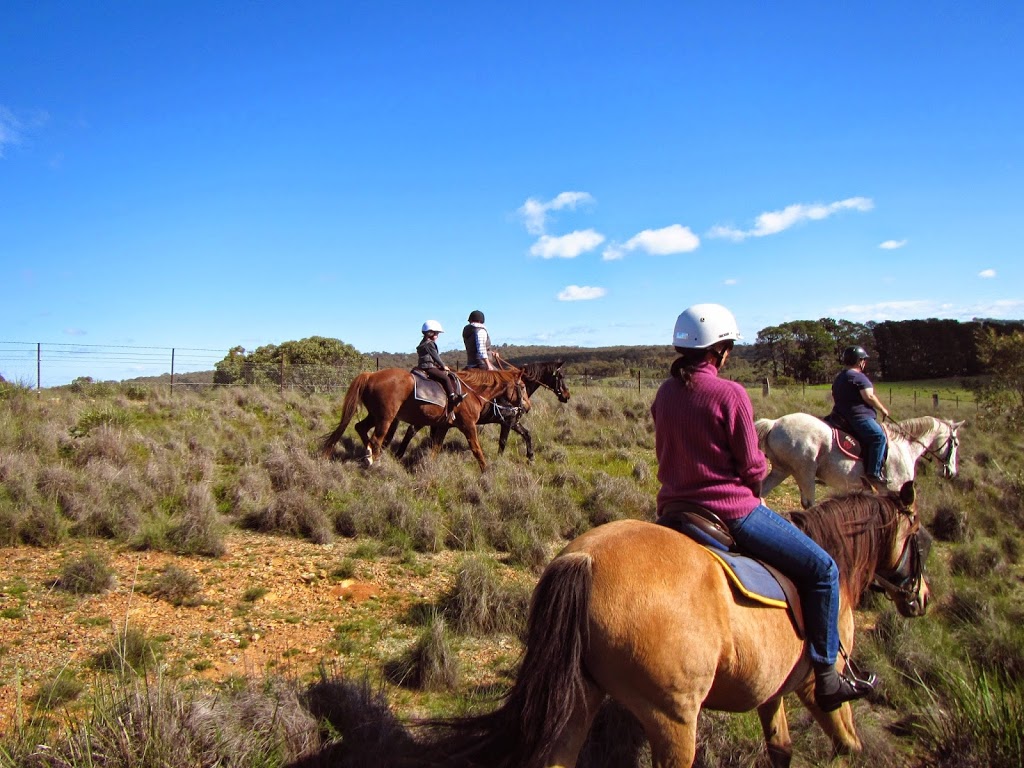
column 846, row 443
column 428, row 390
column 755, row 581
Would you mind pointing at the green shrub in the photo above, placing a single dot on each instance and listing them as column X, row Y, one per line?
column 89, row 574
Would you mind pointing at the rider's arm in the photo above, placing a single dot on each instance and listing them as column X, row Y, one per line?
column 869, row 397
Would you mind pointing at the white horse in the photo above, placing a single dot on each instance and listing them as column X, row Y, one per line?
column 801, row 445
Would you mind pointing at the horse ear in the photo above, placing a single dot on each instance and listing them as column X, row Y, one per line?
column 908, row 494
column 958, row 424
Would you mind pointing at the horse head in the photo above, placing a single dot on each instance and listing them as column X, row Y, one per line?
column 516, row 393
column 901, row 577
column 557, row 384
column 946, row 453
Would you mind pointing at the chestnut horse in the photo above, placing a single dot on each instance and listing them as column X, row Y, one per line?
column 388, row 398
column 640, row 613
column 535, row 375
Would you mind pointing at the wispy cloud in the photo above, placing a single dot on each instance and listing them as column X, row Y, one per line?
column 580, row 293
column 535, row 212
column 987, row 273
column 730, row 281
column 10, row 129
column 773, row 222
column 659, row 242
column 892, row 245
column 566, row 246
column 913, row 309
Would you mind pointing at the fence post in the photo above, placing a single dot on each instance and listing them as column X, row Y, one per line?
column 39, row 367
column 935, row 400
column 637, row 379
column 765, row 388
column 172, row 370
column 280, row 388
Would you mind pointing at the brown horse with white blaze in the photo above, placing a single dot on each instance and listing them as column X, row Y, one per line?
column 642, row 614
column 388, row 398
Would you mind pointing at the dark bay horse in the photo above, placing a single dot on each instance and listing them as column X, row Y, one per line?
column 801, row 445
column 388, row 398
column 637, row 612
column 546, row 374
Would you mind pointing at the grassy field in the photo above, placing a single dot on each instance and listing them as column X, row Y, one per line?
column 92, row 473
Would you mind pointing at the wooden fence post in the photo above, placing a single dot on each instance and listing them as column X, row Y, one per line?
column 39, row 367
column 172, row 370
column 935, row 400
column 765, row 388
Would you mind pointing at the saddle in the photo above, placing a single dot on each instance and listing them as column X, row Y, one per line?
column 843, row 439
column 428, row 390
column 753, row 579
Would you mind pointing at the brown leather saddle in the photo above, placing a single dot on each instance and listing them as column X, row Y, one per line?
column 429, row 390
column 706, row 528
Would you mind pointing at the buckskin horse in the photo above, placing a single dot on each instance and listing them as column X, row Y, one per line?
column 547, row 374
column 640, row 613
column 802, row 445
column 388, row 398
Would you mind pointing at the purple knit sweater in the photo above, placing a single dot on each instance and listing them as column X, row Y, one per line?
column 706, row 445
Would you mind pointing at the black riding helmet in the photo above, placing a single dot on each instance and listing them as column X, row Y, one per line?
column 853, row 355
column 476, row 316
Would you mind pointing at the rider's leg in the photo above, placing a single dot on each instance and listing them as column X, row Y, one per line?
column 776, row 541
column 873, row 440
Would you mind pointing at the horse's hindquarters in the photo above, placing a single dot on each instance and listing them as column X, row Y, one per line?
column 663, row 619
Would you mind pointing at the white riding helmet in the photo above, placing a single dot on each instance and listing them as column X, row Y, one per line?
column 702, row 325
column 432, row 325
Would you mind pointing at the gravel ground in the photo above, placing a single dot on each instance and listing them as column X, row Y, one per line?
column 300, row 621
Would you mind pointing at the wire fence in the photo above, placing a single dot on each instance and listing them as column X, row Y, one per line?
column 39, row 366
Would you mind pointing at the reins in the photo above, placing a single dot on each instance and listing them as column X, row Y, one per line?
column 930, row 453
column 904, row 579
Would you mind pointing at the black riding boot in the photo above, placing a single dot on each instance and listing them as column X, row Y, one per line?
column 832, row 689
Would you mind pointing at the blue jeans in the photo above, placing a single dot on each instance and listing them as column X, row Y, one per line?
column 766, row 536
column 872, row 439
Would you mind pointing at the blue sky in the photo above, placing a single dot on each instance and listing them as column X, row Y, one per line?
column 212, row 174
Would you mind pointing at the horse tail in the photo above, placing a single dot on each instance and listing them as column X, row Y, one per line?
column 352, row 399
column 763, row 427
column 524, row 730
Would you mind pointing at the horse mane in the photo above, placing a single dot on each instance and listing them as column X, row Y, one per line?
column 538, row 370
column 855, row 529
column 479, row 376
column 914, row 428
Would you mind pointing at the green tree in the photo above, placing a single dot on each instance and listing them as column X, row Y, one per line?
column 315, row 364
column 1003, row 357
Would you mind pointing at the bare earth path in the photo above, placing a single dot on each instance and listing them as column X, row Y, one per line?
column 270, row 605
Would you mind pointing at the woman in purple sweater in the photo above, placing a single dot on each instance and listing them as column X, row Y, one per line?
column 708, row 455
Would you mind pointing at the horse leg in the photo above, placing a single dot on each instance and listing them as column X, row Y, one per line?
column 837, row 725
column 409, row 434
column 503, row 437
column 566, row 750
column 774, row 479
column 525, row 434
column 673, row 739
column 363, row 430
column 805, row 482
column 469, row 430
column 776, row 732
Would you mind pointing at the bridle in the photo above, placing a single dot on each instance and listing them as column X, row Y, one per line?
column 904, row 579
column 948, row 448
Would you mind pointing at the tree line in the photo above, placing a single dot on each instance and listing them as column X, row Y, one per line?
column 800, row 351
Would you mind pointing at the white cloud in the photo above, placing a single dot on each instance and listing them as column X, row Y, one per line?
column 987, row 273
column 731, row 281
column 892, row 245
column 914, row 309
column 580, row 293
column 535, row 212
column 674, row 238
column 773, row 222
column 566, row 246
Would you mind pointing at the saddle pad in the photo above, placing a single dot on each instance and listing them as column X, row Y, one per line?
column 427, row 390
column 751, row 578
column 846, row 443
